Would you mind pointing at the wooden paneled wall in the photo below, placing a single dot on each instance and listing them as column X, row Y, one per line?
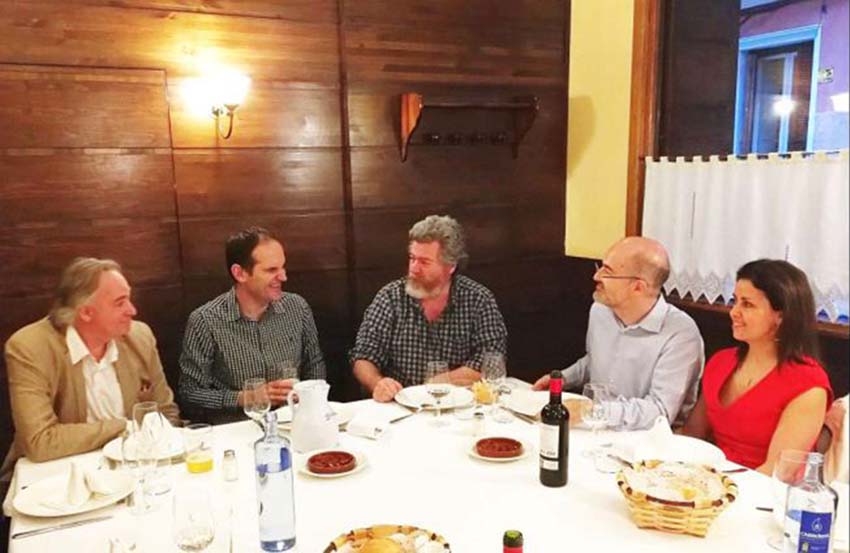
column 100, row 155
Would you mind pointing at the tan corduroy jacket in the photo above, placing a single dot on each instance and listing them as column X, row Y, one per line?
column 48, row 394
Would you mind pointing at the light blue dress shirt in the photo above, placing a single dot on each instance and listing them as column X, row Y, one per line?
column 653, row 366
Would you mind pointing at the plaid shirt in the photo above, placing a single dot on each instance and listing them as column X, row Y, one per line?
column 399, row 340
column 222, row 349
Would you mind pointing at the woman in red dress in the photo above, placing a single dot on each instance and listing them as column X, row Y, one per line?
column 770, row 393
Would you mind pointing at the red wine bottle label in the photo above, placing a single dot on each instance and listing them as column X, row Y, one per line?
column 549, row 437
column 508, row 549
column 555, row 385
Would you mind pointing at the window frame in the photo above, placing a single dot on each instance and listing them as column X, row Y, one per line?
column 785, row 37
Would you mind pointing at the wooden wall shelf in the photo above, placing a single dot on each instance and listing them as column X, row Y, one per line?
column 523, row 110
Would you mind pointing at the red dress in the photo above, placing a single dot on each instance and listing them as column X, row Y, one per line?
column 744, row 428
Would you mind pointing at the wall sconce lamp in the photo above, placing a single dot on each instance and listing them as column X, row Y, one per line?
column 221, row 94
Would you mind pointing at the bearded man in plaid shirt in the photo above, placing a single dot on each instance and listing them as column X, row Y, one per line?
column 432, row 314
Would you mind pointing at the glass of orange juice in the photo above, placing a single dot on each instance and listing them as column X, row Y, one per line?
column 198, row 438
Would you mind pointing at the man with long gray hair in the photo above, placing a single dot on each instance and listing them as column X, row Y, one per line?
column 432, row 314
column 75, row 375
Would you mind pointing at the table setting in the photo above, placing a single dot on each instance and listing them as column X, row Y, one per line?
column 466, row 481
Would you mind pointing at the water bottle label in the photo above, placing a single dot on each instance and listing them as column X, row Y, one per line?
column 285, row 458
column 814, row 532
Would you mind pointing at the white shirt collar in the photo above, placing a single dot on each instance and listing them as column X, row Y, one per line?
column 79, row 350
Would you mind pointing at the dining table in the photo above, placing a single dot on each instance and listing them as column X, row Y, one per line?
column 416, row 473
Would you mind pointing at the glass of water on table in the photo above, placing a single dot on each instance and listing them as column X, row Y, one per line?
column 438, row 386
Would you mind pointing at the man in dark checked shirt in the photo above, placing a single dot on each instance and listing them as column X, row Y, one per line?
column 433, row 314
column 253, row 330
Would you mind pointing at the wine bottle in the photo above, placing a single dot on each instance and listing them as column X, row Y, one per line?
column 554, row 436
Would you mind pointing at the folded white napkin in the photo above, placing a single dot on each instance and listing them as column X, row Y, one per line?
column 167, row 440
column 656, row 443
column 372, row 421
column 367, row 427
column 80, row 484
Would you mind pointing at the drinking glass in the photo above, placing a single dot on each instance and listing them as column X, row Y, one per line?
column 152, row 439
column 495, row 374
column 198, row 438
column 788, row 471
column 256, row 399
column 594, row 413
column 283, row 370
column 194, row 523
column 138, row 502
column 438, row 385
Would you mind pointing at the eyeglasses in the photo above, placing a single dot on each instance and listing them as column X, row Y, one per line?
column 600, row 268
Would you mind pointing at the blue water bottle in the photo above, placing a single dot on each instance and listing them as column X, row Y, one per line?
column 275, row 497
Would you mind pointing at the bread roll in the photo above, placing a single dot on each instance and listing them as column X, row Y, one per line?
column 381, row 545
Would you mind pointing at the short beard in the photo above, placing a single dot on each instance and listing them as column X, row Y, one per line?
column 417, row 292
column 599, row 297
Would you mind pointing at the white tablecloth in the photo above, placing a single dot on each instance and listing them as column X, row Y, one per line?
column 421, row 475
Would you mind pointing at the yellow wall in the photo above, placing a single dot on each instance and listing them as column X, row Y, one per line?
column 598, row 124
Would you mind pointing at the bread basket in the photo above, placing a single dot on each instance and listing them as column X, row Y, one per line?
column 680, row 517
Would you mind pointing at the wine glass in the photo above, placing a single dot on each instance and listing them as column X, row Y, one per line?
column 255, row 400
column 495, row 374
column 150, row 432
column 594, row 413
column 283, row 370
column 194, row 524
column 138, row 503
column 788, row 471
column 438, row 385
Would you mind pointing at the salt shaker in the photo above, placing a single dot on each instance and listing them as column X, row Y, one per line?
column 478, row 423
column 229, row 466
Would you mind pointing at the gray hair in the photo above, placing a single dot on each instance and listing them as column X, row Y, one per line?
column 445, row 230
column 78, row 284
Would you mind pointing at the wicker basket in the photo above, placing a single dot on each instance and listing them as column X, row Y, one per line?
column 680, row 517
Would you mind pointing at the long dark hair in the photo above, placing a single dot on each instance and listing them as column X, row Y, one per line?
column 788, row 291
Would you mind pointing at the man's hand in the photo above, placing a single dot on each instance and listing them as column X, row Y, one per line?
column 463, row 376
column 386, row 389
column 278, row 390
column 577, row 409
column 542, row 383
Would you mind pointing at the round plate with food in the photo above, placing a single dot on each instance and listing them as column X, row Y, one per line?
column 333, row 463
column 389, row 538
column 499, row 449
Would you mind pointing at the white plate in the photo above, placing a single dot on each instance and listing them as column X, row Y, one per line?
column 359, row 464
column 29, row 500
column 676, row 448
column 414, row 396
column 173, row 448
column 530, row 402
column 342, row 414
column 526, row 451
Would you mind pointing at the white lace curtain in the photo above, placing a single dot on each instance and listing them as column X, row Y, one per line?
column 713, row 216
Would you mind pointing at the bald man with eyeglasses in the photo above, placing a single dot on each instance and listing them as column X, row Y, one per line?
column 649, row 353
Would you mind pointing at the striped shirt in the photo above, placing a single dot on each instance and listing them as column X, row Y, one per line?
column 399, row 340
column 222, row 349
